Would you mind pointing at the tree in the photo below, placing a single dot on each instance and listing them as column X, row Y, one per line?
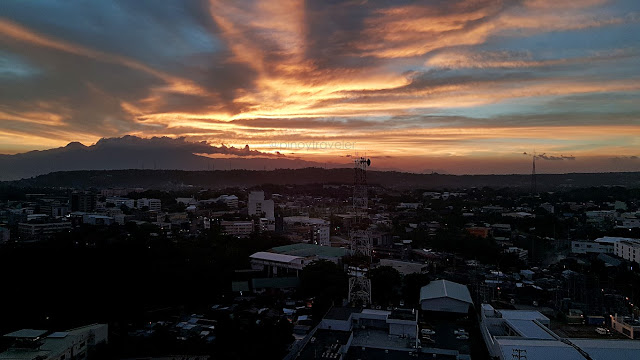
column 385, row 282
column 411, row 287
column 326, row 282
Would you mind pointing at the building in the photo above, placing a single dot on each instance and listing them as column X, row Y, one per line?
column 94, row 219
column 277, row 264
column 30, row 344
column 313, row 252
column 479, row 231
column 522, row 254
column 524, row 334
column 119, row 201
column 151, row 204
column 59, row 210
column 290, row 259
column 237, row 228
column 43, row 229
column 5, row 235
column 258, row 206
column 630, row 223
column 626, row 326
column 230, row 200
column 186, row 201
column 317, row 231
column 267, row 224
column 355, row 333
column 445, row 296
column 628, row 249
column 548, row 208
column 598, row 246
column 83, row 201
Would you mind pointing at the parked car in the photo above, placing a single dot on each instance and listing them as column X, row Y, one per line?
column 460, row 332
column 427, row 332
column 602, row 331
column 462, row 337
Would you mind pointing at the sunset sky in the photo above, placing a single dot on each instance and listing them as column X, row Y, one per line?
column 449, row 86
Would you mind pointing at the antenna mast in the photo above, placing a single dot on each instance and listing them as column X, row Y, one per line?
column 359, row 283
column 534, row 187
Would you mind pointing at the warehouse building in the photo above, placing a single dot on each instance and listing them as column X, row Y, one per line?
column 445, row 296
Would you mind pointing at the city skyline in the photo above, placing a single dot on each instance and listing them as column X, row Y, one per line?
column 448, row 86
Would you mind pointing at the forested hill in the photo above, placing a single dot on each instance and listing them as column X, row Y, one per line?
column 166, row 179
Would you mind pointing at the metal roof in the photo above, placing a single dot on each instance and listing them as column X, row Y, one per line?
column 529, row 329
column 26, row 333
column 605, row 349
column 445, row 288
column 523, row 315
column 268, row 256
column 537, row 349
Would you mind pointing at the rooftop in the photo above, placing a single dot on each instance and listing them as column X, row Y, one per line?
column 308, row 250
column 269, row 256
column 444, row 288
column 26, row 334
column 341, row 313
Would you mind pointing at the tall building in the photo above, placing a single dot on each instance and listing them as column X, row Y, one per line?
column 258, row 205
column 83, row 201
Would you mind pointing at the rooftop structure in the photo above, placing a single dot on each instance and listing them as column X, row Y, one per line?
column 445, row 296
column 523, row 334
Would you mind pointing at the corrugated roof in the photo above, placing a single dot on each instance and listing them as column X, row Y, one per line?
column 268, row 256
column 445, row 288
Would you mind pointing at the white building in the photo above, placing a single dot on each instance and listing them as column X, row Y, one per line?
column 152, row 204
column 628, row 249
column 445, row 296
column 258, row 206
column 237, row 228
